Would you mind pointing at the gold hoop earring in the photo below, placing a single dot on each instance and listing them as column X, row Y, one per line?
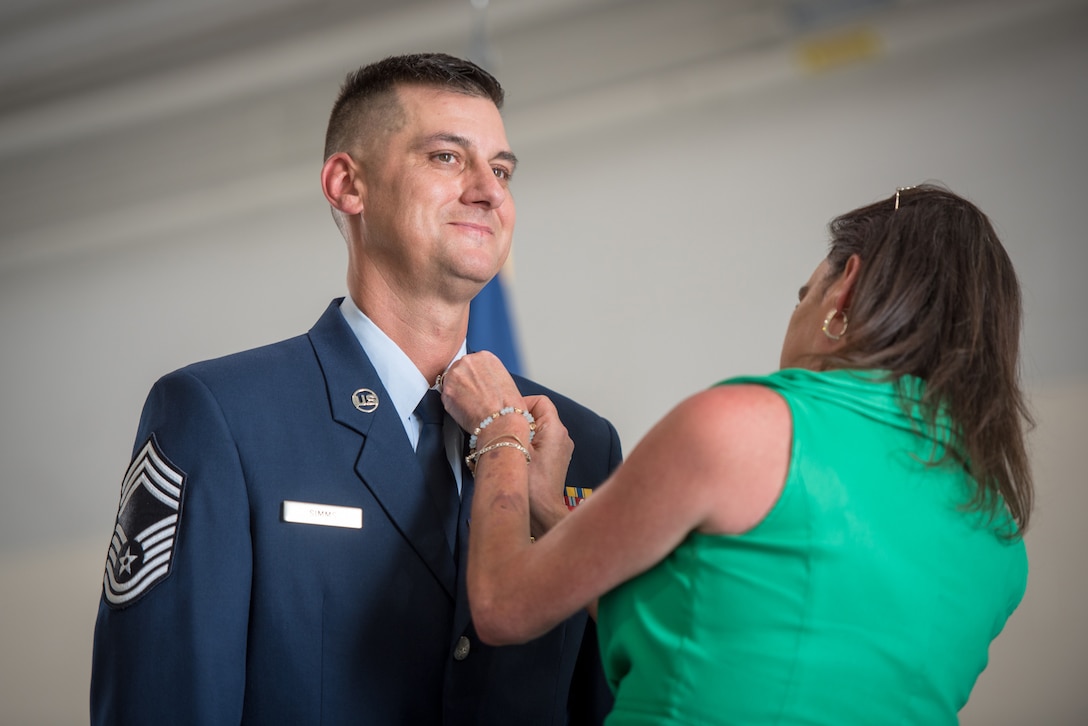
column 827, row 325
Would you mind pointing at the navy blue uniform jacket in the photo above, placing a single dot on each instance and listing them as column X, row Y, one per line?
column 242, row 617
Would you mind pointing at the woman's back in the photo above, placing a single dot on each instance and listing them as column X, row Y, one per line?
column 867, row 595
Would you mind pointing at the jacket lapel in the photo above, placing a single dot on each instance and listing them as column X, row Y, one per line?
column 386, row 463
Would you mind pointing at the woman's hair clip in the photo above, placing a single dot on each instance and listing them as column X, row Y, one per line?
column 897, row 190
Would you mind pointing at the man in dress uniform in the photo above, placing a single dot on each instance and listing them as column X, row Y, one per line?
column 287, row 550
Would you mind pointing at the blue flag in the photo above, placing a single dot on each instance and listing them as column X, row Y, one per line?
column 490, row 327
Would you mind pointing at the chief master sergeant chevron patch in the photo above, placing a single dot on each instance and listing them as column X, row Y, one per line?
column 148, row 516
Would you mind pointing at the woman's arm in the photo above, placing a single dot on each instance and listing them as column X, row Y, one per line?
column 715, row 463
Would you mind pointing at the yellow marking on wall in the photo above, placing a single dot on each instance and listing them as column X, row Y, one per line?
column 842, row 48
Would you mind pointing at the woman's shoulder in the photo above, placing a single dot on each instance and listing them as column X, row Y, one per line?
column 738, row 403
column 735, row 440
column 710, row 429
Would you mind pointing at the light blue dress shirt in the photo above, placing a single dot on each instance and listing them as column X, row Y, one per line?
column 402, row 380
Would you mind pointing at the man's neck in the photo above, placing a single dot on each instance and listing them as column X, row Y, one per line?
column 429, row 334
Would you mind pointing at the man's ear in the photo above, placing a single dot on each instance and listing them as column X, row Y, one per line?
column 341, row 181
column 842, row 289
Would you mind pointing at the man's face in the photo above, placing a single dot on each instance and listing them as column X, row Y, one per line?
column 438, row 215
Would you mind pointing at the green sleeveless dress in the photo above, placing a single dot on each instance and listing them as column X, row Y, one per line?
column 868, row 595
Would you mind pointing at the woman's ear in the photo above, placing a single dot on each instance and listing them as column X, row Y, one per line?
column 341, row 181
column 842, row 289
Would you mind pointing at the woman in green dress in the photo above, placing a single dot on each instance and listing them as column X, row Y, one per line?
column 835, row 543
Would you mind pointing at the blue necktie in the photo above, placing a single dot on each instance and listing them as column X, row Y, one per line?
column 431, row 452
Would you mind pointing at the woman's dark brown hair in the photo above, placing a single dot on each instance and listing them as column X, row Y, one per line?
column 936, row 297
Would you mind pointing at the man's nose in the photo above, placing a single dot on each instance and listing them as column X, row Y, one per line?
column 484, row 188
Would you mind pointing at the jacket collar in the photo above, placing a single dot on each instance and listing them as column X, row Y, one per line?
column 386, row 464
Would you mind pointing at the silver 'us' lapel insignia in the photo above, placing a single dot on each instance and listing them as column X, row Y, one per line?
column 365, row 400
column 142, row 548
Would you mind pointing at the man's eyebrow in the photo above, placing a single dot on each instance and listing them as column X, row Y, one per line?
column 463, row 142
column 508, row 157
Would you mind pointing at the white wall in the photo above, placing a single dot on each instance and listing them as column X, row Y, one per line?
column 654, row 255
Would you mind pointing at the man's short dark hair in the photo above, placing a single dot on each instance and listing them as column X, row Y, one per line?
column 368, row 93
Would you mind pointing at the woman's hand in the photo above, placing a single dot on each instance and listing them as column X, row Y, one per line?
column 552, row 448
column 477, row 386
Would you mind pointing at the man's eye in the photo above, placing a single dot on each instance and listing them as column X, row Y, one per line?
column 501, row 173
column 445, row 157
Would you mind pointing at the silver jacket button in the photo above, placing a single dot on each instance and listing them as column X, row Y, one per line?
column 460, row 651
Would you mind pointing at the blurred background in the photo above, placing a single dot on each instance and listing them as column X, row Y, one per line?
column 679, row 162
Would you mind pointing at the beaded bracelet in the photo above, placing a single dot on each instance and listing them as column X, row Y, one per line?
column 502, row 412
column 472, row 458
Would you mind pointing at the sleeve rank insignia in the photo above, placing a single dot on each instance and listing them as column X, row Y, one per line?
column 574, row 495
column 148, row 515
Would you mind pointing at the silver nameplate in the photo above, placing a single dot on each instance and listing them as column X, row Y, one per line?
column 327, row 515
